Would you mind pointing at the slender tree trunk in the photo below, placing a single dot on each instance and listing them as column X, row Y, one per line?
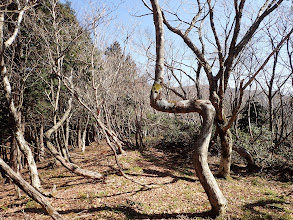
column 67, row 164
column 79, row 139
column 226, row 148
column 19, row 133
column 37, row 146
column 207, row 180
column 13, row 162
column 67, row 128
column 111, row 134
column 84, row 134
column 225, row 138
column 41, row 143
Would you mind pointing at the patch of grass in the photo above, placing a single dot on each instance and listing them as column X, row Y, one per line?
column 271, row 208
column 129, row 159
column 4, row 208
column 31, row 204
column 192, row 210
column 136, row 169
column 102, row 194
column 83, row 196
column 248, row 215
column 256, row 182
column 206, row 205
column 59, row 176
column 89, row 197
column 270, row 192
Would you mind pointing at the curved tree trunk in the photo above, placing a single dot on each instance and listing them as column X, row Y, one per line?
column 70, row 166
column 202, row 169
column 17, row 129
column 245, row 154
column 25, row 149
column 29, row 190
column 203, row 107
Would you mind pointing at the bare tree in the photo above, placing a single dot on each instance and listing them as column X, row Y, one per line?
column 203, row 107
column 226, row 55
column 34, row 190
column 17, row 127
column 226, row 48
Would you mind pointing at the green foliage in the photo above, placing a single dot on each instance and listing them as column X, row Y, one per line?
column 272, row 160
column 114, row 49
column 258, row 146
column 178, row 135
column 255, row 111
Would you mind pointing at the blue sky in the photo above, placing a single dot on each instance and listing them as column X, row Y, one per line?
column 124, row 23
column 123, row 10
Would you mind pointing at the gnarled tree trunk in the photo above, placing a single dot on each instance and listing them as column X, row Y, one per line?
column 25, row 149
column 203, row 107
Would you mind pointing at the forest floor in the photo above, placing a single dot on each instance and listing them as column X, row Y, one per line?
column 179, row 195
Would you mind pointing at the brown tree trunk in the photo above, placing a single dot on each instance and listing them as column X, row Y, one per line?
column 245, row 154
column 226, row 148
column 72, row 167
column 41, row 143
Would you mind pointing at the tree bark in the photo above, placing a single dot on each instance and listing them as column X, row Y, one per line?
column 79, row 140
column 203, row 107
column 29, row 190
column 84, row 134
column 13, row 161
column 226, row 151
column 216, row 198
column 25, row 149
column 67, row 128
column 41, row 143
column 70, row 166
column 245, row 154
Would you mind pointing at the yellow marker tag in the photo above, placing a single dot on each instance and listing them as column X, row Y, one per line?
column 156, row 87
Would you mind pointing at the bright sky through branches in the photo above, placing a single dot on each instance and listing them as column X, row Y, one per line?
column 135, row 32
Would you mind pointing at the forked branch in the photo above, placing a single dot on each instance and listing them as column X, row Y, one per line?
column 203, row 107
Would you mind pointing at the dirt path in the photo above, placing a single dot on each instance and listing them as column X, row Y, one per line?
column 180, row 195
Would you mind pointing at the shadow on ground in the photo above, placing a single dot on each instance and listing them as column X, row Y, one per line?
column 272, row 205
column 129, row 212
